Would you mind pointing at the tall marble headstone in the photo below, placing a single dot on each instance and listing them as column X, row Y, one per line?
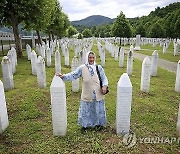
column 178, row 124
column 66, row 56
column 121, row 57
column 145, row 74
column 138, row 41
column 177, row 84
column 123, row 105
column 28, row 50
column 3, row 110
column 48, row 54
column 57, row 62
column 74, row 66
column 33, row 62
column 154, row 63
column 58, row 106
column 7, row 73
column 129, row 62
column 41, row 72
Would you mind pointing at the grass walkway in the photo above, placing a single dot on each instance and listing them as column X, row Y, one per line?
column 30, row 124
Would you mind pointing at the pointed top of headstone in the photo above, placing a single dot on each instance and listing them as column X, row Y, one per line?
column 57, row 82
column 155, row 53
column 124, row 81
column 5, row 59
column 33, row 52
column 147, row 61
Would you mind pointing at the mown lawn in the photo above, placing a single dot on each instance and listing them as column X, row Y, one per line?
column 30, row 124
column 149, row 49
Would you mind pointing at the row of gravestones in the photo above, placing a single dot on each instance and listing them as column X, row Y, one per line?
column 122, row 123
column 123, row 106
column 7, row 71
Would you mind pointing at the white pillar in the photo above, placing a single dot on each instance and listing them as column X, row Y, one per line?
column 33, row 62
column 74, row 66
column 66, row 56
column 138, row 41
column 48, row 54
column 121, row 57
column 177, row 84
column 3, row 110
column 28, row 50
column 58, row 106
column 41, row 72
column 145, row 74
column 123, row 105
column 154, row 63
column 57, row 62
column 178, row 124
column 7, row 73
column 129, row 62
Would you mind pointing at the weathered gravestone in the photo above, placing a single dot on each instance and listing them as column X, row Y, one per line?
column 129, row 62
column 28, row 50
column 145, row 74
column 123, row 105
column 7, row 73
column 74, row 66
column 41, row 72
column 33, row 62
column 48, row 54
column 66, row 56
column 138, row 41
column 121, row 57
column 57, row 62
column 178, row 124
column 154, row 63
column 177, row 84
column 58, row 106
column 3, row 110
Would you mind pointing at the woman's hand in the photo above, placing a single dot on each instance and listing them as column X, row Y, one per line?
column 60, row 75
column 104, row 88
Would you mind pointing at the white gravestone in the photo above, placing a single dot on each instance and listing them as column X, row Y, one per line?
column 48, row 54
column 121, row 57
column 177, row 84
column 175, row 49
column 66, row 56
column 57, row 62
column 7, row 73
column 15, row 54
column 178, row 124
column 103, row 57
column 12, row 61
column 154, row 63
column 123, row 105
column 164, row 48
column 138, row 41
column 145, row 74
column 129, row 62
column 33, row 62
column 41, row 72
column 58, row 106
column 3, row 110
column 28, row 50
column 74, row 66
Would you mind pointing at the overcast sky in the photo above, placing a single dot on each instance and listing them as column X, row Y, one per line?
column 80, row 9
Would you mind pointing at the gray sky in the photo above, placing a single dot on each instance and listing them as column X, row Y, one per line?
column 80, row 9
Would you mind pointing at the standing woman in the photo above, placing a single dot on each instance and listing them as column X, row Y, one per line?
column 92, row 105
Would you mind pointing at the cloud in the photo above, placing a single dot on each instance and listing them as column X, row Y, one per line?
column 81, row 9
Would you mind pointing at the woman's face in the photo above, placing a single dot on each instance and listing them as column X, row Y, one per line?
column 91, row 59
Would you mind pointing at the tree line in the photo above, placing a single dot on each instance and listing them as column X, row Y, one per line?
column 42, row 16
column 161, row 23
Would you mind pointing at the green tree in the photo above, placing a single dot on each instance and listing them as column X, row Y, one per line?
column 156, row 31
column 87, row 33
column 141, row 30
column 72, row 31
column 59, row 23
column 40, row 19
column 121, row 26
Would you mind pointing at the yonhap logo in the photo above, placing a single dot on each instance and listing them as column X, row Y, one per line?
column 129, row 140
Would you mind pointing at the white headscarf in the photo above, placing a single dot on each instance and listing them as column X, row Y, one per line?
column 93, row 66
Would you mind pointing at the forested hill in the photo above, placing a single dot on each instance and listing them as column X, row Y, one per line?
column 93, row 20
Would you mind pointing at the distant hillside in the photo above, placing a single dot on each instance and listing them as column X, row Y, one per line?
column 93, row 21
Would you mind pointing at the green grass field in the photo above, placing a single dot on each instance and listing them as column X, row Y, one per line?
column 30, row 124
